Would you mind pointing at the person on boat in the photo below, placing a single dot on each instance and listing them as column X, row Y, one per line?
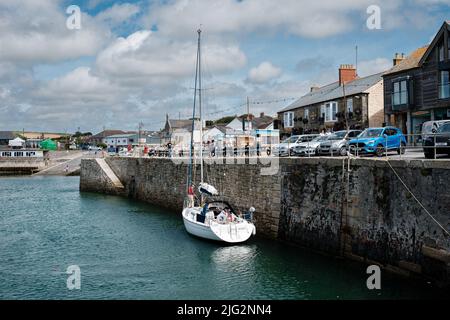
column 205, row 209
column 191, row 195
column 222, row 217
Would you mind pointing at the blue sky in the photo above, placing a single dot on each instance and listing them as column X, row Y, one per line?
column 134, row 60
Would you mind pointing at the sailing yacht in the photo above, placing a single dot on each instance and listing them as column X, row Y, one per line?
column 212, row 218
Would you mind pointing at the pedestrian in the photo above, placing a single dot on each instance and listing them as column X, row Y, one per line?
column 191, row 196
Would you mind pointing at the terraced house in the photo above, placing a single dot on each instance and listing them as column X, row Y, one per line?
column 417, row 88
column 351, row 102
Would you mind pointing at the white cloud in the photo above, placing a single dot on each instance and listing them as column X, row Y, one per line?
column 264, row 73
column 119, row 13
column 35, row 32
column 146, row 56
column 302, row 18
column 369, row 67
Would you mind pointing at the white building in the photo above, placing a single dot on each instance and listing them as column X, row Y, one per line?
column 121, row 140
column 178, row 132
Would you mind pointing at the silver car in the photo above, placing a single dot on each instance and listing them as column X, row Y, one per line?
column 336, row 145
column 286, row 147
column 309, row 148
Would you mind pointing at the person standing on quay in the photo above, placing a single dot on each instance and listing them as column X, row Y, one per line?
column 191, row 196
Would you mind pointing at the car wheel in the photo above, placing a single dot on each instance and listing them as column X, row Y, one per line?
column 343, row 151
column 379, row 151
column 429, row 154
column 402, row 148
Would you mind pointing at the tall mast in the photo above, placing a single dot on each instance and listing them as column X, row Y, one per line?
column 191, row 149
column 200, row 102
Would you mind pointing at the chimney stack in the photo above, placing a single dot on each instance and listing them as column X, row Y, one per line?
column 261, row 114
column 313, row 89
column 347, row 73
column 398, row 58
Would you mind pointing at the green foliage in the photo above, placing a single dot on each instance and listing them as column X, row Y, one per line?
column 224, row 120
column 102, row 145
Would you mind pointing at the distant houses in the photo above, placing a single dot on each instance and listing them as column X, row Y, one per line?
column 6, row 136
column 99, row 138
column 351, row 102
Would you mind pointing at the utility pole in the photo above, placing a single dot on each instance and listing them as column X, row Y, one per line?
column 248, row 108
column 247, row 126
column 140, row 125
column 345, row 108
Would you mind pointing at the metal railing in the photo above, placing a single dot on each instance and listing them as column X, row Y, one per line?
column 429, row 146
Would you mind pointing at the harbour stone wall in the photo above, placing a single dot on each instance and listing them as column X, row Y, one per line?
column 361, row 210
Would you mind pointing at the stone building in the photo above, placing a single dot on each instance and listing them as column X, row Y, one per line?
column 352, row 102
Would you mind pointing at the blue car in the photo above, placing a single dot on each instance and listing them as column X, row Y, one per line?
column 378, row 141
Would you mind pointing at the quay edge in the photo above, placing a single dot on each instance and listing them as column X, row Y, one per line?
column 366, row 214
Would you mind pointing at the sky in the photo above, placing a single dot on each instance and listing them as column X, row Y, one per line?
column 134, row 61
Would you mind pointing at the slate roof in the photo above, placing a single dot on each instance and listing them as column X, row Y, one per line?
column 410, row 62
column 7, row 135
column 180, row 124
column 335, row 91
column 107, row 133
column 126, row 135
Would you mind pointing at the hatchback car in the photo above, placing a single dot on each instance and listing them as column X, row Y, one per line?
column 285, row 148
column 337, row 143
column 438, row 143
column 378, row 141
column 309, row 148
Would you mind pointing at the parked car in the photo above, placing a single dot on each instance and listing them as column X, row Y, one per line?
column 378, row 141
column 429, row 128
column 94, row 148
column 438, row 143
column 309, row 147
column 123, row 152
column 285, row 148
column 337, row 143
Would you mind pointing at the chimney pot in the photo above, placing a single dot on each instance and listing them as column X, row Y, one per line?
column 398, row 58
column 347, row 73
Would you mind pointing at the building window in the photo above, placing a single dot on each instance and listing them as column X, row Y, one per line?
column 448, row 49
column 306, row 113
column 350, row 105
column 441, row 52
column 444, row 85
column 330, row 111
column 322, row 111
column 288, row 119
column 400, row 94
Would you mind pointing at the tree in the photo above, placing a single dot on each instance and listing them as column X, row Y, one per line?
column 224, row 120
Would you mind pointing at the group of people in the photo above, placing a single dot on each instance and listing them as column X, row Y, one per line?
column 226, row 216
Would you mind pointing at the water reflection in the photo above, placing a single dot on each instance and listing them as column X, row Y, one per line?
column 235, row 258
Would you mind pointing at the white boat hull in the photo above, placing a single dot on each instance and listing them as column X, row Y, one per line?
column 231, row 232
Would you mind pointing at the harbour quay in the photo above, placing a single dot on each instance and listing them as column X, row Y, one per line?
column 392, row 213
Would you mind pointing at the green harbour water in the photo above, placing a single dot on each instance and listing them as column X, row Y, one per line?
column 131, row 250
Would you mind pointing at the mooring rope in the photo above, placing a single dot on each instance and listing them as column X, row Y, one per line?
column 415, row 198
